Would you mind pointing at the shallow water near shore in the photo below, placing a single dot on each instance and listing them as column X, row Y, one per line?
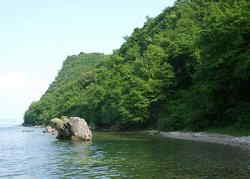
column 28, row 153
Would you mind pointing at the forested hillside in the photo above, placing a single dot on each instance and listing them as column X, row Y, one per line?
column 188, row 68
column 66, row 91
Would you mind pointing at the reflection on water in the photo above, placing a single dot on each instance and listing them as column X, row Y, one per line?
column 27, row 153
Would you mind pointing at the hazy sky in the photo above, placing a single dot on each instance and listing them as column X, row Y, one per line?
column 36, row 36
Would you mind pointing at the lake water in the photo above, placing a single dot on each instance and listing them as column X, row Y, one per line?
column 27, row 153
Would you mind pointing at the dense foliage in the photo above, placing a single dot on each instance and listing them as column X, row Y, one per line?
column 66, row 91
column 188, row 68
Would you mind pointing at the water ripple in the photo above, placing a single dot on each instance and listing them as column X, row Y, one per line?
column 27, row 153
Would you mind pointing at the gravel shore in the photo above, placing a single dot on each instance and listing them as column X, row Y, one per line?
column 243, row 142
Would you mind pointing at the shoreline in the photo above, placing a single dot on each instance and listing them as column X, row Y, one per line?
column 213, row 138
column 243, row 142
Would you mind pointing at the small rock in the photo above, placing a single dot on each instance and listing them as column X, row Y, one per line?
column 49, row 129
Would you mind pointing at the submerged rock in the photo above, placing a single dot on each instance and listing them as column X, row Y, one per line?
column 73, row 128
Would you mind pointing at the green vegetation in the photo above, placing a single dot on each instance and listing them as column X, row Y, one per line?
column 186, row 69
column 67, row 91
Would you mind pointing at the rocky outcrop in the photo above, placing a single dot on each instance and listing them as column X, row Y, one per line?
column 73, row 128
column 50, row 130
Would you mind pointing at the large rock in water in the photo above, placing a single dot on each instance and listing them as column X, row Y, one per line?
column 73, row 128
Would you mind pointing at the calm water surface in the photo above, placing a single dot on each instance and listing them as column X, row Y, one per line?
column 27, row 153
